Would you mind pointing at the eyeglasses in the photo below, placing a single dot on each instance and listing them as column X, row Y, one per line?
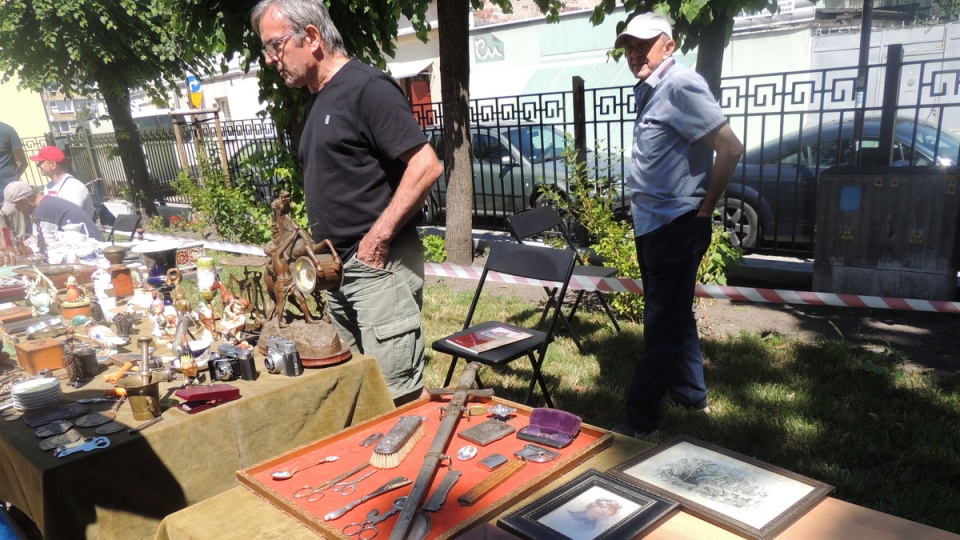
column 40, row 163
column 271, row 49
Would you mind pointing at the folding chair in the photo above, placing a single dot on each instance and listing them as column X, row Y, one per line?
column 532, row 262
column 101, row 214
column 537, row 221
column 123, row 224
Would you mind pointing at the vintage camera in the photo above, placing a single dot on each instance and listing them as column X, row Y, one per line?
column 282, row 357
column 233, row 362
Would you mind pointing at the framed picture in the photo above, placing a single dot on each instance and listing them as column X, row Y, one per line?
column 592, row 506
column 734, row 491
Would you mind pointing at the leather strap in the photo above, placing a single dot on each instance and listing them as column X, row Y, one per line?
column 440, row 495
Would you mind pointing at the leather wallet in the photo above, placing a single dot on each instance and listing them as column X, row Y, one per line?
column 487, row 432
column 551, row 427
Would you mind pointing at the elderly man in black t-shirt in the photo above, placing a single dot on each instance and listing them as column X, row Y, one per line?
column 367, row 170
column 20, row 196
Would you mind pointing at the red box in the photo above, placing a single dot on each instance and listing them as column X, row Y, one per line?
column 214, row 392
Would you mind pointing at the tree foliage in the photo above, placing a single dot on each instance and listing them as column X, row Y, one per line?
column 222, row 27
column 88, row 46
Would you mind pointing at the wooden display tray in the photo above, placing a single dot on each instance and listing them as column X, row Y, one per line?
column 452, row 518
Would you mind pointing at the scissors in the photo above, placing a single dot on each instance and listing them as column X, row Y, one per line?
column 368, row 529
column 347, row 488
column 316, row 493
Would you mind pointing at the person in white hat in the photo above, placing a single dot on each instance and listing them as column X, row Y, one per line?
column 675, row 183
column 52, row 163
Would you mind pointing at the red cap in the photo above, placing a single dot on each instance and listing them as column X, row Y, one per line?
column 49, row 153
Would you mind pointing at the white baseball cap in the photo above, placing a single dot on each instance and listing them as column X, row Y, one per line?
column 645, row 26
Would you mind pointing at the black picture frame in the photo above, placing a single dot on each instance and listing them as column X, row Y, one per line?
column 736, row 492
column 558, row 515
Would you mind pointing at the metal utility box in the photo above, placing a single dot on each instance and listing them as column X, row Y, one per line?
column 888, row 231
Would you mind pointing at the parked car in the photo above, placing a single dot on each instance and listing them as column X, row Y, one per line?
column 773, row 193
column 510, row 163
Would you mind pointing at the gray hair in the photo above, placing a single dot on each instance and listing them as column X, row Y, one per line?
column 300, row 14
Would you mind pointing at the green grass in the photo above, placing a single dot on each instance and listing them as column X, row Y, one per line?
column 886, row 439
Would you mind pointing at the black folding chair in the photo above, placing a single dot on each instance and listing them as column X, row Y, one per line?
column 123, row 224
column 531, row 262
column 541, row 221
column 101, row 214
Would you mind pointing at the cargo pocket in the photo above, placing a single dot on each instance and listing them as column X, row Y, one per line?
column 396, row 348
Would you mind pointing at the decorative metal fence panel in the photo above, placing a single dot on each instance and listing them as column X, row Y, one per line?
column 793, row 125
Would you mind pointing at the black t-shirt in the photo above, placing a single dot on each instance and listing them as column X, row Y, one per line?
column 61, row 211
column 356, row 128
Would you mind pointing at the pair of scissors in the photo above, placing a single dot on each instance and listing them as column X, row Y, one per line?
column 316, row 493
column 347, row 488
column 368, row 529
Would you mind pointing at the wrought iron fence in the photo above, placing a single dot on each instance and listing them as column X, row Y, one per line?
column 793, row 125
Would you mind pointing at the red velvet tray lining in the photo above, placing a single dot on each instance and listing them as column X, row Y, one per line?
column 452, row 517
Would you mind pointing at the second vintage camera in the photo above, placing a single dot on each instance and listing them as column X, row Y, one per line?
column 234, row 362
column 282, row 357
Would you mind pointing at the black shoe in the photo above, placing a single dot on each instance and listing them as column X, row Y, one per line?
column 624, row 429
column 673, row 399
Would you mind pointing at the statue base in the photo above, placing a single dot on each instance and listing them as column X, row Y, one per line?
column 318, row 344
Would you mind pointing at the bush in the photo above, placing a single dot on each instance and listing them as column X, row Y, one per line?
column 232, row 211
column 435, row 248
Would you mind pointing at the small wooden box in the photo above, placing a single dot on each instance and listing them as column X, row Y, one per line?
column 39, row 354
column 14, row 314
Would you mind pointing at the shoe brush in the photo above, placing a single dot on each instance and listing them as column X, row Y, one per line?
column 398, row 442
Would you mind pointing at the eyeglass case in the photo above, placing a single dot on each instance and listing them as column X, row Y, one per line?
column 201, row 398
column 551, row 427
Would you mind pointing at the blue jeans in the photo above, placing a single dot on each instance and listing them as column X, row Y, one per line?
column 377, row 313
column 671, row 361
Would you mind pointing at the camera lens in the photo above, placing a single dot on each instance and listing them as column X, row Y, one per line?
column 224, row 371
column 273, row 362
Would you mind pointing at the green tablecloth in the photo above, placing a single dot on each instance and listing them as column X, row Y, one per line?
column 125, row 490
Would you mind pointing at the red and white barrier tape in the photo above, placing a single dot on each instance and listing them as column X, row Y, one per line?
column 722, row 292
column 625, row 285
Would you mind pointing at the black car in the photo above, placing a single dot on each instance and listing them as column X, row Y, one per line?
column 772, row 196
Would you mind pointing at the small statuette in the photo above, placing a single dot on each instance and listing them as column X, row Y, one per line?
column 501, row 411
column 467, row 452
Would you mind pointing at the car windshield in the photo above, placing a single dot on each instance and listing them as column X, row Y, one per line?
column 537, row 143
column 947, row 151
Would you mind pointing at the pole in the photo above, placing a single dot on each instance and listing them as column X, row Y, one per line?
column 863, row 69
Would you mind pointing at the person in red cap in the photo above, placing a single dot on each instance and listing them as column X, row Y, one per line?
column 62, row 184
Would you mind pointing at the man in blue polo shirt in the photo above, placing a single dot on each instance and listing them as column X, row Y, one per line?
column 675, row 185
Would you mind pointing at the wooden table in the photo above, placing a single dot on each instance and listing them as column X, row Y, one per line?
column 240, row 514
column 124, row 491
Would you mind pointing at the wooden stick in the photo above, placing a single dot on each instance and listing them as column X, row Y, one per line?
column 496, row 478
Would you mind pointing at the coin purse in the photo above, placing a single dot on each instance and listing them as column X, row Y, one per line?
column 551, row 427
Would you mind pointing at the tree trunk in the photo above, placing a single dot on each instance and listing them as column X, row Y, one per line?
column 117, row 99
column 710, row 51
column 453, row 19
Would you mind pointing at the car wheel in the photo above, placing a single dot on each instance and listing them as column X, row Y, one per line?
column 431, row 209
column 740, row 220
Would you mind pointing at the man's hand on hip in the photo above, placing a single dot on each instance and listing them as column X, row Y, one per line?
column 373, row 252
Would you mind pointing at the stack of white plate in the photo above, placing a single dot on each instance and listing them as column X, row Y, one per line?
column 36, row 393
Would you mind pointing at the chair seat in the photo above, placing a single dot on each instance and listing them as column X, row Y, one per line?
column 494, row 357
